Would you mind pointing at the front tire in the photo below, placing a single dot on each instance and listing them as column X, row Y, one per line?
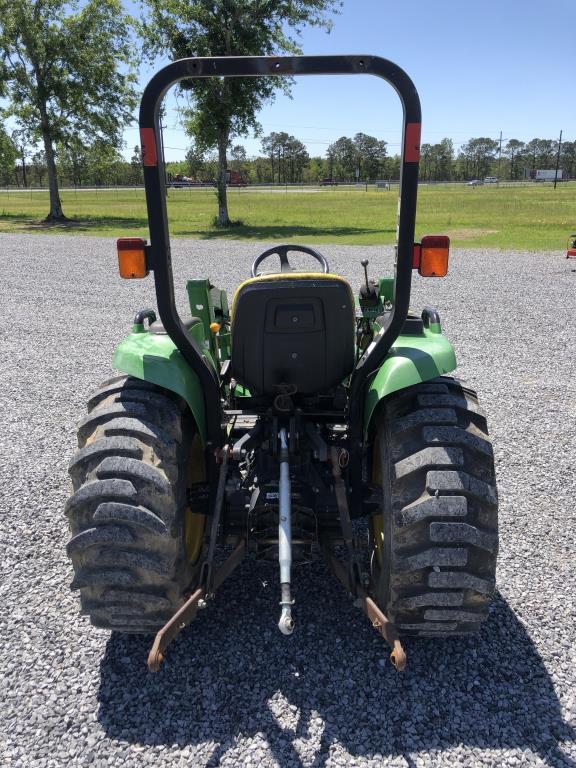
column 135, row 543
column 435, row 539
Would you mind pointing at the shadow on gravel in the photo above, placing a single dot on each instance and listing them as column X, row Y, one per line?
column 232, row 677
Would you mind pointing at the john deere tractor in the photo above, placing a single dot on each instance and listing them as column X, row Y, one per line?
column 297, row 421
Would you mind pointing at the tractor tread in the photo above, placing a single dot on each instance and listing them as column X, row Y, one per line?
column 145, row 431
column 104, row 534
column 118, row 384
column 435, row 456
column 423, row 416
column 456, row 436
column 126, row 510
column 460, row 580
column 461, row 482
column 136, row 471
column 433, row 506
column 125, row 409
column 438, row 467
column 109, row 446
column 114, row 511
column 463, row 533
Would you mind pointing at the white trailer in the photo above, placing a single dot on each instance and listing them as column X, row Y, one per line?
column 548, row 175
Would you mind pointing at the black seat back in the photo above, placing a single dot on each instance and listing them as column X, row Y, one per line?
column 293, row 330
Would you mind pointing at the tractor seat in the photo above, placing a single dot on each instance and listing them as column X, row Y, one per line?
column 293, row 330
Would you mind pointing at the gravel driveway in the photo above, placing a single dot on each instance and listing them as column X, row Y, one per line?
column 233, row 690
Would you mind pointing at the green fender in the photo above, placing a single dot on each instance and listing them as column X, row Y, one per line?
column 154, row 358
column 411, row 360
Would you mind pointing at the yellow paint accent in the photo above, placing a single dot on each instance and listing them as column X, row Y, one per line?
column 288, row 276
column 194, row 523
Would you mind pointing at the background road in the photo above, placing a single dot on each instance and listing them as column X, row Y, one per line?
column 233, row 690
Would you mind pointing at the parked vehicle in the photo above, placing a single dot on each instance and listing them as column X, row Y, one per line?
column 491, row 180
column 235, row 179
column 475, row 183
column 328, row 183
column 548, row 174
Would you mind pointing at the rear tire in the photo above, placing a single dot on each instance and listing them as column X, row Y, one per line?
column 135, row 543
column 435, row 541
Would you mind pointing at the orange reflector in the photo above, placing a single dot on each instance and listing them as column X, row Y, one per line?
column 132, row 257
column 434, row 256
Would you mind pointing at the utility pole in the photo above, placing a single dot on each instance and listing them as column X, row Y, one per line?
column 499, row 158
column 558, row 159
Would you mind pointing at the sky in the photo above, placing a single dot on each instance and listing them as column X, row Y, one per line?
column 480, row 68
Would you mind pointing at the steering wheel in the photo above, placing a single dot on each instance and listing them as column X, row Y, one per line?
column 282, row 251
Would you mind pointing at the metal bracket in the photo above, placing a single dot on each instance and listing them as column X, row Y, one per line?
column 388, row 631
column 188, row 611
column 379, row 620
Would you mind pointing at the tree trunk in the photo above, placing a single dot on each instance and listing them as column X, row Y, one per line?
column 24, row 179
column 56, row 213
column 223, row 217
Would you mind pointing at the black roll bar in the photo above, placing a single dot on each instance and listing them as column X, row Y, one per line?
column 154, row 180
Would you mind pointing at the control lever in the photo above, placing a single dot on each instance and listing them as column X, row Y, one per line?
column 369, row 292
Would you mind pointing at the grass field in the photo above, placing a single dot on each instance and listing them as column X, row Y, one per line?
column 534, row 217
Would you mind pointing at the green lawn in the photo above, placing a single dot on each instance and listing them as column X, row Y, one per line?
column 534, row 217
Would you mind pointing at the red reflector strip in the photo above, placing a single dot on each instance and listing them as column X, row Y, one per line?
column 435, row 241
column 412, row 143
column 148, row 142
column 130, row 243
column 416, row 256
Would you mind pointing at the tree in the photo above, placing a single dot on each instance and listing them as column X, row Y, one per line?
column 371, row 155
column 224, row 108
column 425, row 153
column 61, row 64
column 21, row 139
column 72, row 161
column 288, row 156
column 541, row 153
column 513, row 150
column 443, row 157
column 137, row 175
column 480, row 153
column 568, row 158
column 194, row 161
column 342, row 158
column 39, row 166
column 8, row 156
column 238, row 155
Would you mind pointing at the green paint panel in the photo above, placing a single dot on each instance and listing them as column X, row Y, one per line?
column 411, row 360
column 154, row 358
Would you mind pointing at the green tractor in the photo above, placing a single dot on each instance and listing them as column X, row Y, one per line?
column 297, row 421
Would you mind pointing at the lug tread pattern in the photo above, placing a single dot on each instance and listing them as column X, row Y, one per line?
column 99, row 449
column 437, row 456
column 125, row 511
column 433, row 506
column 106, row 411
column 117, row 512
column 443, row 498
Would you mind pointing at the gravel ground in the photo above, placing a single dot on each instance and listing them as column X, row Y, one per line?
column 233, row 691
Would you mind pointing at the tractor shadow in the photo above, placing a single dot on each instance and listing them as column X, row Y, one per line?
column 231, row 676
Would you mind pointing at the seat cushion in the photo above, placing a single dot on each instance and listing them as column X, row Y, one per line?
column 293, row 330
